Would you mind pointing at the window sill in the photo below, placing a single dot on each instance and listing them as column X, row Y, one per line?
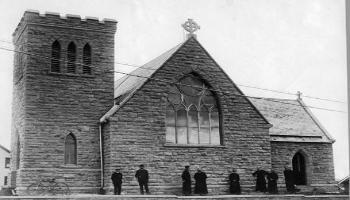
column 70, row 166
column 193, row 145
column 70, row 74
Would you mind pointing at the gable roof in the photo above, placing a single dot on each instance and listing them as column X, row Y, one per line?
column 126, row 86
column 139, row 76
column 292, row 121
column 129, row 84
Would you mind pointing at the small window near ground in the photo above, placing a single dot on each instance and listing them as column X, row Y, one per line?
column 70, row 150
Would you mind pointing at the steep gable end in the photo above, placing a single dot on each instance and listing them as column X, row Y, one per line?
column 185, row 58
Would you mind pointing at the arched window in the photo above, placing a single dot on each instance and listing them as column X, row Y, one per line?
column 299, row 168
column 71, row 57
column 55, row 56
column 87, row 59
column 70, row 150
column 192, row 115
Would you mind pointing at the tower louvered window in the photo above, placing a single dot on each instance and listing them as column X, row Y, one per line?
column 55, row 56
column 70, row 150
column 192, row 115
column 87, row 59
column 71, row 57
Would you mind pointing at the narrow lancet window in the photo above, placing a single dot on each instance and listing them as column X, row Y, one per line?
column 55, row 56
column 71, row 57
column 70, row 150
column 87, row 59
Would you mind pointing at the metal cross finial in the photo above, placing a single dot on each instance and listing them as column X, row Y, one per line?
column 190, row 26
column 299, row 95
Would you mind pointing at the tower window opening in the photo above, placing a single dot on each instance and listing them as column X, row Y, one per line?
column 87, row 59
column 71, row 57
column 55, row 56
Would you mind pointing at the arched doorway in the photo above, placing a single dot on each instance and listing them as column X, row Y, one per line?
column 299, row 168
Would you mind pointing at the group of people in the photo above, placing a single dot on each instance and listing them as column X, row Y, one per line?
column 272, row 178
column 261, row 176
column 141, row 176
column 200, row 178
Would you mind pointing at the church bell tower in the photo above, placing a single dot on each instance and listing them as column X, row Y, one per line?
column 63, row 83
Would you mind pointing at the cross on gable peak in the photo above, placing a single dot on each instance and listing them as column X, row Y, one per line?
column 190, row 26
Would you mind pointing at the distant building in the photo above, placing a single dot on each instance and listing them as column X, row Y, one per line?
column 73, row 123
column 4, row 166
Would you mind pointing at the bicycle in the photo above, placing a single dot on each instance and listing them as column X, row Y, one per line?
column 48, row 187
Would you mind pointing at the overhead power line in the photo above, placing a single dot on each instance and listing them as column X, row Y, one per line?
column 241, row 85
column 169, row 82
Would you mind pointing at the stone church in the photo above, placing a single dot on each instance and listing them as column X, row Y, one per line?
column 72, row 122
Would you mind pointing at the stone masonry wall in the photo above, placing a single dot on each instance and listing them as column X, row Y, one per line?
column 18, row 111
column 56, row 104
column 137, row 132
column 318, row 157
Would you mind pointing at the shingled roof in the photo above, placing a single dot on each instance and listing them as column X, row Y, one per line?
column 128, row 84
column 292, row 121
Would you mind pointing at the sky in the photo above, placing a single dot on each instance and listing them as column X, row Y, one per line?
column 284, row 45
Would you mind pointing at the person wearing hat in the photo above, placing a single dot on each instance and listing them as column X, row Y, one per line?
column 142, row 177
column 235, row 187
column 260, row 180
column 186, row 181
column 289, row 177
column 272, row 178
column 201, row 182
column 117, row 178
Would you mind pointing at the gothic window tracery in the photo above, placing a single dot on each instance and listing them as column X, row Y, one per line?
column 192, row 115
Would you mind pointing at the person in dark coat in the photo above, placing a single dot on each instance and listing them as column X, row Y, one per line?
column 235, row 187
column 289, row 179
column 117, row 179
column 260, row 180
column 272, row 178
column 201, row 182
column 142, row 177
column 186, row 181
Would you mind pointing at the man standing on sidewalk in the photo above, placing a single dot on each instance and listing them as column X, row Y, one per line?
column 142, row 178
column 117, row 178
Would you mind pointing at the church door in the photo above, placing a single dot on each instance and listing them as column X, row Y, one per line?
column 299, row 169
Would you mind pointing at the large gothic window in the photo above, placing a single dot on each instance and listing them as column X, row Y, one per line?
column 71, row 57
column 55, row 56
column 70, row 150
column 192, row 115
